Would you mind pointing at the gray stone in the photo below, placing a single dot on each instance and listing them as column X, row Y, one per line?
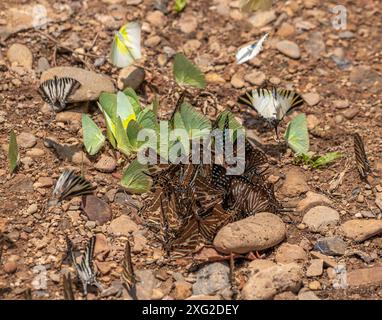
column 262, row 18
column 315, row 45
column 316, row 268
column 288, row 253
column 26, row 140
column 211, row 279
column 96, row 209
column 289, row 48
column 33, row 15
column 295, row 183
column 361, row 230
column 259, row 232
column 106, row 164
column 311, row 98
column 131, row 76
column 319, row 218
column 331, row 246
column 92, row 84
column 122, row 225
column 20, row 54
column 265, row 284
column 366, row 78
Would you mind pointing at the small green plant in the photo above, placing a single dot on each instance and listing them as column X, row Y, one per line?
column 179, row 5
column 297, row 138
column 13, row 152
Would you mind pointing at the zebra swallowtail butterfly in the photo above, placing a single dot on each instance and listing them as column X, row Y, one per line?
column 69, row 184
column 57, row 90
column 360, row 157
column 85, row 269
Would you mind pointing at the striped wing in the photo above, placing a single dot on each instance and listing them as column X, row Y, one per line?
column 248, row 198
column 186, row 240
column 263, row 101
column 211, row 223
column 57, row 90
column 128, row 276
column 69, row 184
column 85, row 269
column 68, row 288
column 206, row 195
column 219, row 177
column 273, row 104
column 287, row 100
column 360, row 157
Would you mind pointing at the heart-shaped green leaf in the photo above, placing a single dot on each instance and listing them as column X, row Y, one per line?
column 186, row 73
column 297, row 135
column 92, row 135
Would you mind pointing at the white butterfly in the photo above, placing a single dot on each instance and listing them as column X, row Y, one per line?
column 248, row 52
column 126, row 47
column 272, row 104
column 57, row 90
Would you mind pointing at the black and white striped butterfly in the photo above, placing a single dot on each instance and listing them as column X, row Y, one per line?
column 360, row 157
column 69, row 184
column 57, row 90
column 85, row 269
column 128, row 276
column 272, row 104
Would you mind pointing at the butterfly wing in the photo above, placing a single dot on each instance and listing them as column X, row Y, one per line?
column 360, row 157
column 287, row 100
column 249, row 52
column 128, row 276
column 48, row 92
column 126, row 45
column 263, row 101
column 57, row 90
column 65, row 88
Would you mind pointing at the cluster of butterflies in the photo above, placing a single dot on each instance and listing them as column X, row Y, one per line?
column 189, row 202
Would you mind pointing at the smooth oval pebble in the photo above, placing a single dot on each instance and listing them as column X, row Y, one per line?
column 259, row 232
column 92, row 84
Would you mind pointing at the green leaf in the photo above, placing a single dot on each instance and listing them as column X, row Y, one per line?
column 326, row 159
column 93, row 137
column 195, row 123
column 123, row 143
column 13, row 152
column 179, row 5
column 186, row 73
column 297, row 135
column 133, row 98
column 134, row 179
